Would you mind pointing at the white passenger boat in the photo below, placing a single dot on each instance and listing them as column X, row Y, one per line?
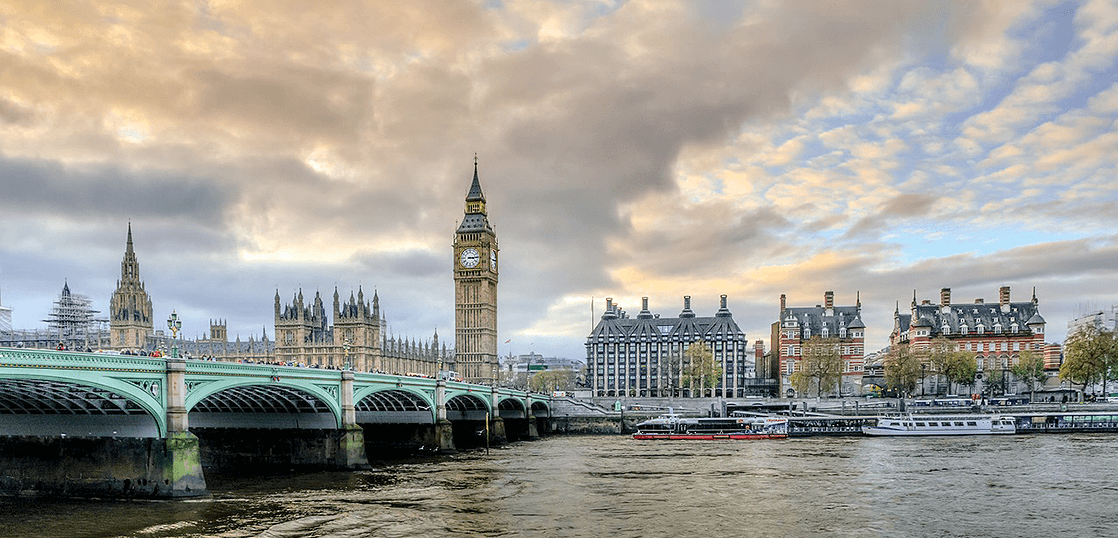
column 942, row 425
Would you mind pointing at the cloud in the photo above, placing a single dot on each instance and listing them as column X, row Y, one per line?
column 627, row 148
column 900, row 208
column 35, row 188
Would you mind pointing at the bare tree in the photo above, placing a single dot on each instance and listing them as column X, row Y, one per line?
column 800, row 381
column 701, row 367
column 1030, row 370
column 954, row 365
column 822, row 362
column 1089, row 356
column 552, row 380
column 671, row 369
column 902, row 369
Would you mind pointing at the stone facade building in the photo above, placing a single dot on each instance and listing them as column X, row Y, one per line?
column 303, row 333
column 800, row 324
column 130, row 314
column 645, row 356
column 357, row 339
column 218, row 346
column 475, row 292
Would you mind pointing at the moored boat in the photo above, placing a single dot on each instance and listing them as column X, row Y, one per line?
column 671, row 426
column 910, row 425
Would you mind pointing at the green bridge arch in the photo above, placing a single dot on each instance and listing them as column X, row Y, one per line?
column 147, row 383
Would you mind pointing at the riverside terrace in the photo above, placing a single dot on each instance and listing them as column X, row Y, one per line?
column 89, row 424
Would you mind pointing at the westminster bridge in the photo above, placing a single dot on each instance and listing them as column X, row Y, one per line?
column 95, row 424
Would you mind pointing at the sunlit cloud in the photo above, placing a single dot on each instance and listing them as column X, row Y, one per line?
column 626, row 149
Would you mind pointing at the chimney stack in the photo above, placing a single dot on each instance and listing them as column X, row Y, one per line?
column 945, row 296
column 723, row 301
column 829, row 299
column 783, row 303
column 644, row 303
column 1003, row 295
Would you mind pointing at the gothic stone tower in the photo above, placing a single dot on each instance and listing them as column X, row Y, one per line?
column 130, row 308
column 475, row 292
column 299, row 327
column 357, row 331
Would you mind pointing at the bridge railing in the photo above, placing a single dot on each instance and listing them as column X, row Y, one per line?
column 79, row 360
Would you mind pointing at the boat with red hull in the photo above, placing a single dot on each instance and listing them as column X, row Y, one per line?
column 674, row 427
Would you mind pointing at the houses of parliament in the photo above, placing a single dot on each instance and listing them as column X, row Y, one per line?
column 353, row 337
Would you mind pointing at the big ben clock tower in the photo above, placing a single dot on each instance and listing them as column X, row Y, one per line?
column 475, row 291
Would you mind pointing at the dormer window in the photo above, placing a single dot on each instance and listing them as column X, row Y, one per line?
column 807, row 332
column 963, row 329
column 998, row 328
column 1013, row 327
column 842, row 332
column 981, row 328
column 946, row 329
column 826, row 331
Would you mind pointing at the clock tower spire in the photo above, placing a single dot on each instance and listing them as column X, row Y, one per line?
column 475, row 291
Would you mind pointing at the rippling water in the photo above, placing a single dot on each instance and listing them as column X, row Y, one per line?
column 613, row 486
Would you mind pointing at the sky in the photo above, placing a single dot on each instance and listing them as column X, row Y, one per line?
column 626, row 149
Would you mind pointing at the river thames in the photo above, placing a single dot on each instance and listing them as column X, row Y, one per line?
column 613, row 486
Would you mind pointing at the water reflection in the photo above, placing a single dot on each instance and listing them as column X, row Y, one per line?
column 616, row 487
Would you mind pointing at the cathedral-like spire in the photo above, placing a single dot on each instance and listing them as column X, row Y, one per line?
column 129, row 266
column 475, row 194
column 475, row 219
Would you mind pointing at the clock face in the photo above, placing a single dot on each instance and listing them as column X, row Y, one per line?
column 493, row 260
column 470, row 257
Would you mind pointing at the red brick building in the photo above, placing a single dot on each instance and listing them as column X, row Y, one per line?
column 799, row 324
column 995, row 332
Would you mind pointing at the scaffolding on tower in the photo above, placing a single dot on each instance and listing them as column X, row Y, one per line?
column 73, row 320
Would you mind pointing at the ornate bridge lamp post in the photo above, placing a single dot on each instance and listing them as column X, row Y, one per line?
column 345, row 349
column 175, row 324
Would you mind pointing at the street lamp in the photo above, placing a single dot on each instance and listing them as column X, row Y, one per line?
column 175, row 324
column 345, row 348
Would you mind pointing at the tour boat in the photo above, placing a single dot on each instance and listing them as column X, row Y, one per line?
column 671, row 426
column 942, row 425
